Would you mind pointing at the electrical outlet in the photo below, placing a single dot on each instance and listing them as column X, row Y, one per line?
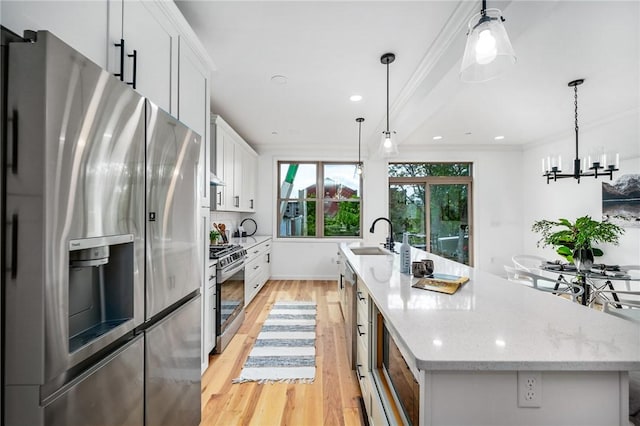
column 529, row 389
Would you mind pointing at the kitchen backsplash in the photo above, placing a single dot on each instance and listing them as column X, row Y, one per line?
column 230, row 219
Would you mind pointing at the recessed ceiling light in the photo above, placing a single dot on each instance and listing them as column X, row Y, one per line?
column 279, row 79
column 274, row 133
column 468, row 133
column 437, row 138
column 355, row 98
column 499, row 138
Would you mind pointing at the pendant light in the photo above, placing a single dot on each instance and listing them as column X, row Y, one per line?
column 488, row 52
column 388, row 146
column 359, row 165
column 552, row 168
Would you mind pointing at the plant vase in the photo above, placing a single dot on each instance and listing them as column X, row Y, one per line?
column 583, row 259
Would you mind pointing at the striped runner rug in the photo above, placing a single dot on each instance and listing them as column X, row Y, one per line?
column 285, row 348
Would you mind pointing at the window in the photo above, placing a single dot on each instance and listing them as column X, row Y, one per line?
column 432, row 202
column 318, row 199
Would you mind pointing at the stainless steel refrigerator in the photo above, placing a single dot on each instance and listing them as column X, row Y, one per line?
column 101, row 302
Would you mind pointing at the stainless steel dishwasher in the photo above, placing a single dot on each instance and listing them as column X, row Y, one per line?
column 349, row 282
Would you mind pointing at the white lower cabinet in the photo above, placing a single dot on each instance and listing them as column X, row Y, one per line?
column 257, row 269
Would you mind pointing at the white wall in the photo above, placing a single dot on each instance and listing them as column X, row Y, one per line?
column 497, row 211
column 568, row 199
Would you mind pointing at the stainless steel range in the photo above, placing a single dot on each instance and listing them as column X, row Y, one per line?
column 230, row 291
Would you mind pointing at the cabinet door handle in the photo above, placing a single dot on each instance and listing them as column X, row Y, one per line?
column 251, row 203
column 14, row 246
column 135, row 68
column 219, row 198
column 121, row 46
column 268, row 257
column 237, row 202
column 360, row 296
column 360, row 333
column 360, row 376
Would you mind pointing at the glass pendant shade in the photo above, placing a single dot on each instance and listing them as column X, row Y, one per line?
column 388, row 145
column 488, row 52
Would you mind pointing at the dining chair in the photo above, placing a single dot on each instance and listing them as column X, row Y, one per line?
column 528, row 262
column 546, row 284
column 626, row 289
column 626, row 309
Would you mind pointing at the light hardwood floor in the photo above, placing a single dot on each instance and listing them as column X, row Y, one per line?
column 333, row 398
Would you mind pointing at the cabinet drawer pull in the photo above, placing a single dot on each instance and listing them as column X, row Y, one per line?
column 256, row 267
column 360, row 333
column 360, row 296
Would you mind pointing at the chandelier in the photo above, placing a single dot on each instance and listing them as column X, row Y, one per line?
column 600, row 166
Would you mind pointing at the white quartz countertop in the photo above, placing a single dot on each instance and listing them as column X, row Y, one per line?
column 248, row 242
column 491, row 323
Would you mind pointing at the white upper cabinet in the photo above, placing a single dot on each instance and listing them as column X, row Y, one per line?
column 193, row 108
column 249, row 181
column 80, row 24
column 235, row 163
column 149, row 45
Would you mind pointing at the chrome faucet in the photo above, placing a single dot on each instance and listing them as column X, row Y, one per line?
column 389, row 243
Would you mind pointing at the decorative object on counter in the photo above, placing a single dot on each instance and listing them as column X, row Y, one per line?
column 574, row 241
column 388, row 146
column 213, row 236
column 405, row 254
column 441, row 283
column 428, row 266
column 418, row 269
column 488, row 52
column 250, row 226
column 240, row 232
column 552, row 169
column 221, row 228
column 621, row 201
column 359, row 165
column 285, row 348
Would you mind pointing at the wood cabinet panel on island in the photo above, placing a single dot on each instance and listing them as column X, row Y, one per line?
column 235, row 163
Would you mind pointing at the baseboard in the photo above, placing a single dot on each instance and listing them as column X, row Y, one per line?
column 333, row 277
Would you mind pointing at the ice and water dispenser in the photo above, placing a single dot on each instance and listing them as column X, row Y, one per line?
column 101, row 287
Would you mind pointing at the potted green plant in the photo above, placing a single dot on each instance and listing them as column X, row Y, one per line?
column 213, row 236
column 574, row 241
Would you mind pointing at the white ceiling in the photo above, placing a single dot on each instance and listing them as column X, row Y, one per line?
column 329, row 50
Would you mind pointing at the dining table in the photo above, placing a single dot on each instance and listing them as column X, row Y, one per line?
column 599, row 277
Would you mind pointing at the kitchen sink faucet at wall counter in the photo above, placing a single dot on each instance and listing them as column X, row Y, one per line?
column 494, row 335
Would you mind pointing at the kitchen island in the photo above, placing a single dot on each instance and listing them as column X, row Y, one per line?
column 474, row 353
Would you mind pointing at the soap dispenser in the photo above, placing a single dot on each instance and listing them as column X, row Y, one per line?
column 405, row 254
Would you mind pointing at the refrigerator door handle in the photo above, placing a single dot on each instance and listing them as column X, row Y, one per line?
column 14, row 246
column 121, row 46
column 135, row 68
column 14, row 143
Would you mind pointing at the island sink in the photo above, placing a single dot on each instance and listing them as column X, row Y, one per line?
column 370, row 250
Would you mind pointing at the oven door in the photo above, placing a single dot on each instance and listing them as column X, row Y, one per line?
column 230, row 289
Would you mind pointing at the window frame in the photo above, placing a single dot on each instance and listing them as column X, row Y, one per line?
column 429, row 180
column 320, row 201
